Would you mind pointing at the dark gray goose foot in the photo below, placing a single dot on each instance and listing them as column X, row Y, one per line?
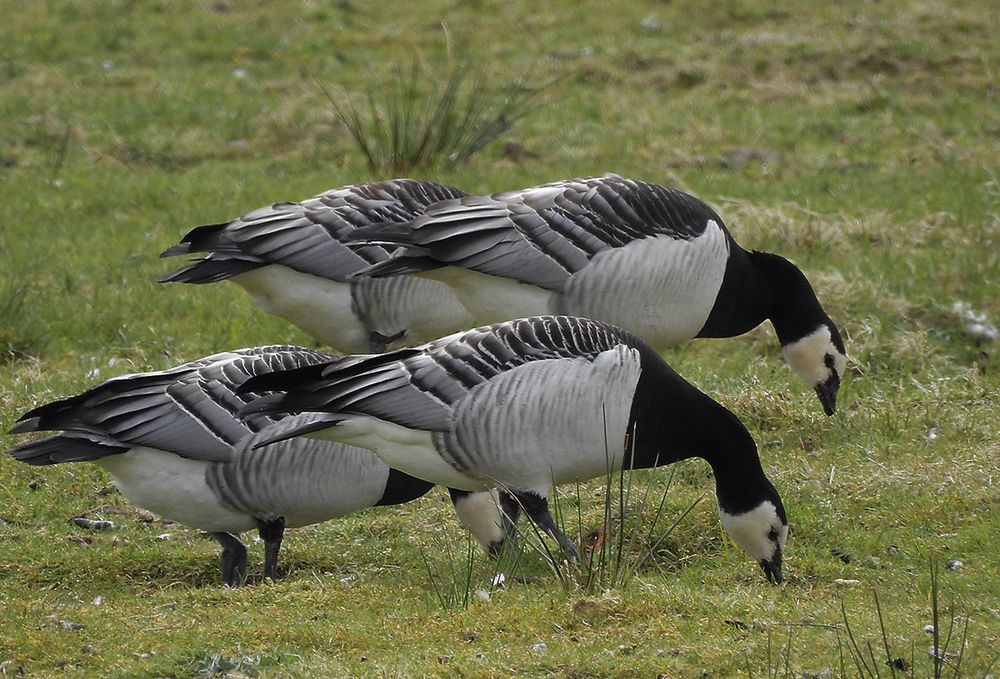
column 537, row 508
column 234, row 559
column 271, row 532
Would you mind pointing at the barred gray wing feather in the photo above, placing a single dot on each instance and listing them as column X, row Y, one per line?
column 189, row 410
column 543, row 235
column 420, row 387
column 67, row 447
column 309, row 236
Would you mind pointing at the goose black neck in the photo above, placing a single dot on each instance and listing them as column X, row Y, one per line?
column 744, row 299
column 794, row 311
column 672, row 420
column 401, row 487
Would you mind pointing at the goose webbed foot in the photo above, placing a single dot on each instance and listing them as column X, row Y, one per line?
column 234, row 559
column 271, row 532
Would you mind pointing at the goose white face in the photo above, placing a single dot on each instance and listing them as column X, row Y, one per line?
column 818, row 361
column 762, row 533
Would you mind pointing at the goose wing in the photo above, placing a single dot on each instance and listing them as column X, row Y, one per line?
column 420, row 387
column 189, row 410
column 307, row 236
column 545, row 234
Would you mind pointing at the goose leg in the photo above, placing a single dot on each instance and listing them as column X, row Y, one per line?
column 271, row 533
column 537, row 508
column 234, row 559
column 511, row 510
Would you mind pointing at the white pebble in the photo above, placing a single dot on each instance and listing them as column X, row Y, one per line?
column 483, row 595
column 954, row 565
column 932, row 434
column 929, row 629
column 98, row 600
column 844, row 581
column 540, row 648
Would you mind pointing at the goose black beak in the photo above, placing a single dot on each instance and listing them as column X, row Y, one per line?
column 772, row 568
column 827, row 392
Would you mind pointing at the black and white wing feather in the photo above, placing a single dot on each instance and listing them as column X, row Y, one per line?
column 420, row 387
column 307, row 236
column 189, row 410
column 543, row 235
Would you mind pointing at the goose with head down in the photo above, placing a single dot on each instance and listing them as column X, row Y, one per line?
column 292, row 260
column 529, row 403
column 647, row 258
column 174, row 446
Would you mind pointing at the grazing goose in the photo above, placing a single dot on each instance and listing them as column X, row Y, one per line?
column 173, row 444
column 647, row 258
column 290, row 259
column 529, row 403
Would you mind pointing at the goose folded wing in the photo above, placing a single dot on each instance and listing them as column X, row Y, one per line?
column 420, row 387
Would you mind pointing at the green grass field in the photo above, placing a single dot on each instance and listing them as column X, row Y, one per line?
column 859, row 140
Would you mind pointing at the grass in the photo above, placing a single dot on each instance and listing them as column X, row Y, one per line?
column 413, row 121
column 859, row 140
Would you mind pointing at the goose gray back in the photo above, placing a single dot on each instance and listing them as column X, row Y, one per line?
column 291, row 259
column 648, row 258
column 174, row 445
column 533, row 402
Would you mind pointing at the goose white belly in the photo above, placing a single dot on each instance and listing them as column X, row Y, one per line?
column 546, row 422
column 173, row 487
column 319, row 306
column 661, row 288
column 492, row 299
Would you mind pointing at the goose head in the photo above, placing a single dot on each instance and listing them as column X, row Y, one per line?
column 761, row 531
column 819, row 360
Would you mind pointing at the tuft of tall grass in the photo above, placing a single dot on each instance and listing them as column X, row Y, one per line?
column 17, row 334
column 416, row 120
column 876, row 659
column 616, row 551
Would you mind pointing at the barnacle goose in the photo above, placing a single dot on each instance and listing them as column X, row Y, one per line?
column 173, row 444
column 647, row 258
column 290, row 259
column 529, row 403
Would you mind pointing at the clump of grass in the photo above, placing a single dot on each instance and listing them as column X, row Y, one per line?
column 452, row 582
column 414, row 120
column 868, row 659
column 17, row 336
column 617, row 550
column 946, row 654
